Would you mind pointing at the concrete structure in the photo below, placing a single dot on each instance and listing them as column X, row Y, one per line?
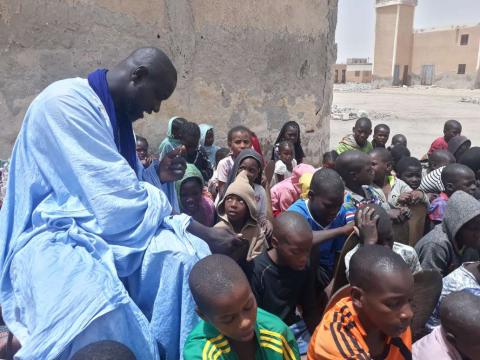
column 339, row 73
column 402, row 56
column 359, row 70
column 258, row 63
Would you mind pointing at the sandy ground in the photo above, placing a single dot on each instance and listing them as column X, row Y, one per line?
column 417, row 112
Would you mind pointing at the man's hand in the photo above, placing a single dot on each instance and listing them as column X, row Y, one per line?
column 173, row 165
column 367, row 226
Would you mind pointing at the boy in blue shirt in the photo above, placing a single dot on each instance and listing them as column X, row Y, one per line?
column 329, row 218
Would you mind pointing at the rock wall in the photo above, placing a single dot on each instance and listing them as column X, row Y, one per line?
column 257, row 63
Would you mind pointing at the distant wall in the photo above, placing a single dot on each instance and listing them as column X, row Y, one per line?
column 258, row 63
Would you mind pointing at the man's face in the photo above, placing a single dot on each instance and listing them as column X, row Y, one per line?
column 469, row 234
column 142, row 150
column 324, row 207
column 412, row 175
column 361, row 134
column 381, row 136
column 387, row 306
column 146, row 91
column 191, row 196
column 234, row 315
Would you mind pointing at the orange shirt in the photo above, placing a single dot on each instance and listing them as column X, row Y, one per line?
column 341, row 336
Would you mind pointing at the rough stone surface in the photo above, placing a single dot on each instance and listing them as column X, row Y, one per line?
column 258, row 63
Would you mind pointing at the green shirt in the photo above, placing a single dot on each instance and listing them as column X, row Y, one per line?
column 348, row 143
column 275, row 341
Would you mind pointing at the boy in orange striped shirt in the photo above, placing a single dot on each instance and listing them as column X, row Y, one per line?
column 374, row 321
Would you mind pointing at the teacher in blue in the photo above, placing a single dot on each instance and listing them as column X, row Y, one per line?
column 89, row 250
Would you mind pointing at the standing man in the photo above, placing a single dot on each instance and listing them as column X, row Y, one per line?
column 87, row 249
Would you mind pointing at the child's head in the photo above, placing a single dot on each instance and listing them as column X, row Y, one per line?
column 440, row 158
column 461, row 221
column 355, row 168
column 286, row 152
column 362, row 130
column 329, row 158
column 382, row 289
column 104, row 350
column 141, row 147
column 238, row 139
column 381, row 133
column 458, row 177
column 326, row 195
column 471, row 158
column 384, row 224
column 451, row 129
column 398, row 153
column 458, row 145
column 290, row 131
column 250, row 161
column 382, row 163
column 292, row 240
column 460, row 318
column 238, row 203
column 224, row 297
column 176, row 125
column 399, row 139
column 409, row 169
column 191, row 137
column 221, row 153
column 207, row 137
column 190, row 189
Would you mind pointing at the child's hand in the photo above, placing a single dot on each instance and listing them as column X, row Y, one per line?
column 267, row 228
column 173, row 166
column 366, row 227
column 417, row 197
column 405, row 198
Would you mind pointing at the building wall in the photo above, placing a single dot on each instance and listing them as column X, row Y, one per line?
column 442, row 48
column 337, row 70
column 403, row 53
column 249, row 62
column 385, row 23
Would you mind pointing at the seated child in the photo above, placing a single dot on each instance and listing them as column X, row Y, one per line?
column 373, row 322
column 409, row 169
column 207, row 138
column 191, row 198
column 238, row 211
column 142, row 151
column 384, row 236
column 440, row 158
column 251, row 161
column 285, row 163
column 286, row 192
column 104, row 350
column 356, row 170
column 290, row 131
column 359, row 139
column 330, row 219
column 458, row 145
column 232, row 326
column 443, row 248
column 467, row 276
column 283, row 280
column 391, row 190
column 238, row 139
column 457, row 337
column 398, row 139
column 454, row 177
column 328, row 159
column 194, row 153
column 174, row 136
column 381, row 133
column 451, row 128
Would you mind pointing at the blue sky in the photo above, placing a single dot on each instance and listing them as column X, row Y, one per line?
column 356, row 22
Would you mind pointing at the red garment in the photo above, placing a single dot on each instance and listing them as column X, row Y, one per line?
column 256, row 146
column 438, row 144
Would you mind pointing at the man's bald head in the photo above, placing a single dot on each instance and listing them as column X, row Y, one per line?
column 141, row 82
column 291, row 226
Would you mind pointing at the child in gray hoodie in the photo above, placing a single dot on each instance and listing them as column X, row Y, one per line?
column 445, row 247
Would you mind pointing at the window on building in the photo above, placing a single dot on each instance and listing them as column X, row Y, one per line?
column 461, row 68
column 464, row 39
column 357, row 73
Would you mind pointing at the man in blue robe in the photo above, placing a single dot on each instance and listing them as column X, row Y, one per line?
column 88, row 250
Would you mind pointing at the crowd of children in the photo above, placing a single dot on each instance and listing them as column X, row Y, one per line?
column 280, row 295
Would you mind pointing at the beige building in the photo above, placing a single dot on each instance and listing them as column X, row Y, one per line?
column 356, row 70
column 404, row 56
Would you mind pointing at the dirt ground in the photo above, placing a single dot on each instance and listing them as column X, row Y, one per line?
column 417, row 112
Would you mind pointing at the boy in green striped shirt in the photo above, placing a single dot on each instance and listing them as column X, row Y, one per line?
column 232, row 326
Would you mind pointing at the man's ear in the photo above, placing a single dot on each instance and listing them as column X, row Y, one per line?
column 449, row 188
column 357, row 295
column 389, row 166
column 353, row 175
column 311, row 194
column 274, row 242
column 200, row 314
column 139, row 74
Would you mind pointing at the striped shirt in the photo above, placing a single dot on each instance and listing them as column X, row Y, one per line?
column 340, row 335
column 432, row 182
column 275, row 341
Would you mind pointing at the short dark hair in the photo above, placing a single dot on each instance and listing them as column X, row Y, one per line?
column 381, row 127
column 220, row 154
column 348, row 162
column 235, row 129
column 374, row 260
column 363, row 122
column 141, row 139
column 191, row 131
column 286, row 144
column 327, row 181
column 331, row 155
column 449, row 124
column 104, row 350
column 384, row 154
column 442, row 155
column 399, row 152
column 288, row 222
column 213, row 276
column 384, row 224
column 407, row 162
column 451, row 172
column 460, row 313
